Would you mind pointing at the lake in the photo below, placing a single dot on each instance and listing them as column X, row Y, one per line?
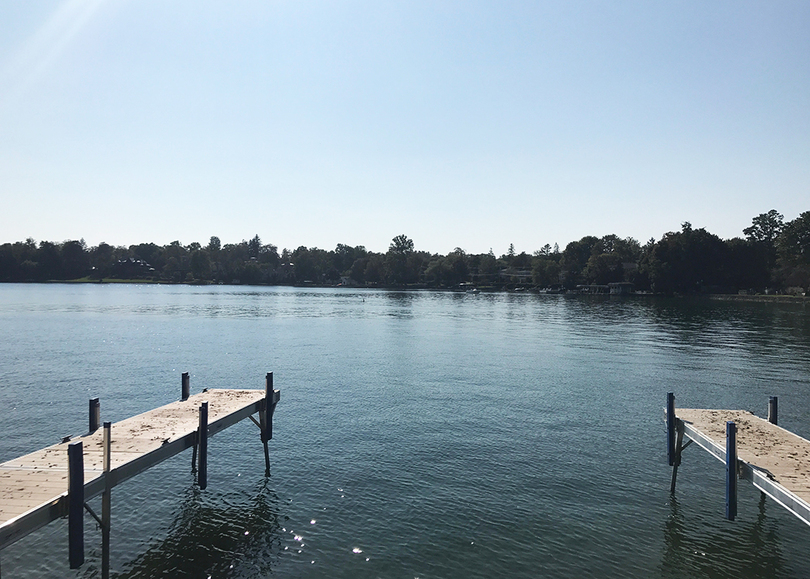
column 419, row 434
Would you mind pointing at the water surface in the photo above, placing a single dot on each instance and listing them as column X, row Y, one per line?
column 419, row 434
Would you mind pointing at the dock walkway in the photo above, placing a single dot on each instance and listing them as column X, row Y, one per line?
column 34, row 489
column 775, row 460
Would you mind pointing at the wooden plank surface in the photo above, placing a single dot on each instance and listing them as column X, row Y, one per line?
column 784, row 455
column 35, row 485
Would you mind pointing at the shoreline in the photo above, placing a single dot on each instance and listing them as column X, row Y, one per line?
column 762, row 298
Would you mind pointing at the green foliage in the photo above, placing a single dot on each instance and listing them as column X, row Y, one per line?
column 401, row 245
column 545, row 271
column 692, row 260
column 689, row 261
column 765, row 228
column 794, row 243
column 401, row 265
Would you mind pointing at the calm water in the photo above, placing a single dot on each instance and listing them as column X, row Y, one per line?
column 418, row 434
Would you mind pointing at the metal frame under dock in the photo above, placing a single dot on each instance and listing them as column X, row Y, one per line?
column 776, row 461
column 56, row 481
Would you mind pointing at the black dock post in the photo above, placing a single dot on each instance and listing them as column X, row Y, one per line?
column 731, row 470
column 202, row 443
column 773, row 409
column 266, row 419
column 95, row 415
column 678, row 448
column 185, row 388
column 106, row 504
column 671, row 428
column 75, row 504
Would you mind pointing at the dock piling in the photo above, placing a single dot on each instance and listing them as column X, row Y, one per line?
column 95, row 415
column 266, row 419
column 773, row 409
column 677, row 462
column 731, row 470
column 202, row 443
column 75, row 504
column 106, row 504
column 185, row 387
column 671, row 428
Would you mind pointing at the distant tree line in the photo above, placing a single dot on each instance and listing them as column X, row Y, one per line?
column 772, row 255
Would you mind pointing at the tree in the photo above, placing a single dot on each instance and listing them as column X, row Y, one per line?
column 487, row 267
column 102, row 258
column 451, row 270
column 375, row 269
column 401, row 245
column 545, row 250
column 154, row 254
column 344, row 256
column 604, row 268
column 545, row 271
column 200, row 264
column 765, row 228
column 574, row 259
column 688, row 261
column 75, row 259
column 254, row 246
column 49, row 259
column 794, row 242
column 400, row 268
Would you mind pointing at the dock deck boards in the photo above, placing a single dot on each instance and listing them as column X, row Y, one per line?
column 771, row 456
column 33, row 488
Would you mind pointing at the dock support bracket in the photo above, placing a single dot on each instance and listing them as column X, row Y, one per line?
column 93, row 514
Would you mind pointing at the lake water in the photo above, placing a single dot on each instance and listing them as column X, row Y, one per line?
column 419, row 434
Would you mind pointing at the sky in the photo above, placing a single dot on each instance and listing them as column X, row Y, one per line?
column 472, row 124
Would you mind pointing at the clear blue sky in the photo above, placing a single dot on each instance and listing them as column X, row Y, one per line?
column 471, row 124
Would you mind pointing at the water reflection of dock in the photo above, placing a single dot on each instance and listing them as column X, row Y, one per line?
column 56, row 481
column 695, row 549
column 210, row 536
column 776, row 461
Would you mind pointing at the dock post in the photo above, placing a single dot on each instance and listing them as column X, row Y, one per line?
column 106, row 501
column 185, row 388
column 95, row 415
column 202, row 443
column 773, row 409
column 731, row 470
column 671, row 428
column 75, row 504
column 678, row 449
column 266, row 419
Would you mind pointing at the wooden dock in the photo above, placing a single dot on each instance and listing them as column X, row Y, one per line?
column 36, row 489
column 776, row 461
